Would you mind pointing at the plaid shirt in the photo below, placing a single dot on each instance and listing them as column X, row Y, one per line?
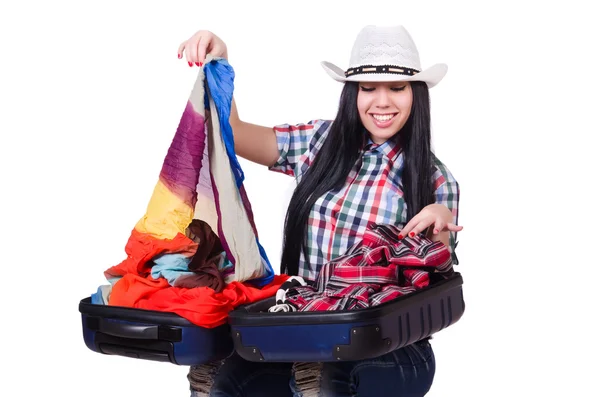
column 377, row 269
column 372, row 193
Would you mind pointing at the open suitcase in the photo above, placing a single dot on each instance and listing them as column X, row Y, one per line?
column 151, row 335
column 259, row 335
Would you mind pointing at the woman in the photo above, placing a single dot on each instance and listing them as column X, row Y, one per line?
column 372, row 163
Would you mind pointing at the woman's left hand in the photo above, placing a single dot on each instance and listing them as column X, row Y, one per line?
column 434, row 214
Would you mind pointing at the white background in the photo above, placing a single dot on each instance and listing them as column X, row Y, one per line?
column 91, row 94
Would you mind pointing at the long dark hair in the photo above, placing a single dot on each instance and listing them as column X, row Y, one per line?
column 339, row 153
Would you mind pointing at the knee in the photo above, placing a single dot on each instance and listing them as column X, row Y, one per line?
column 202, row 378
column 321, row 379
column 306, row 379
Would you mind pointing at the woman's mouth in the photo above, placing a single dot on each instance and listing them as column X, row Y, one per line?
column 383, row 120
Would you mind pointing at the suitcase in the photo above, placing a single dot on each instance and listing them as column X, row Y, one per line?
column 261, row 336
column 151, row 335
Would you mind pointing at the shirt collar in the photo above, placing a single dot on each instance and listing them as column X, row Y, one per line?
column 390, row 148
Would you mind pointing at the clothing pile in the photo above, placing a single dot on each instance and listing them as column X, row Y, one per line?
column 377, row 269
column 196, row 252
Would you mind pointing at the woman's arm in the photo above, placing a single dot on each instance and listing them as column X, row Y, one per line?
column 252, row 142
column 439, row 221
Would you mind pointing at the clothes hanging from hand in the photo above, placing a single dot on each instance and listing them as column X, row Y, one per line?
column 200, row 180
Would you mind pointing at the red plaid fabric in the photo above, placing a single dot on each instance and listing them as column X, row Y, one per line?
column 377, row 269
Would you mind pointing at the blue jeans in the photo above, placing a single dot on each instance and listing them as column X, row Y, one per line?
column 407, row 372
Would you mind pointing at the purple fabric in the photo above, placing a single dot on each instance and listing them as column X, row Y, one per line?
column 187, row 148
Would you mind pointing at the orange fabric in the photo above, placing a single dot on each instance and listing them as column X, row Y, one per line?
column 201, row 306
column 141, row 248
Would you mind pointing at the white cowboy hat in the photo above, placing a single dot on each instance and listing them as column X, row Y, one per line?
column 385, row 53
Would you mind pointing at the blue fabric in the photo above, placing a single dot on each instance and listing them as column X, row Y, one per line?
column 238, row 377
column 171, row 267
column 96, row 297
column 174, row 268
column 406, row 372
column 100, row 297
column 219, row 76
column 270, row 273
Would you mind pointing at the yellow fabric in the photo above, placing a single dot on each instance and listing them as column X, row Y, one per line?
column 165, row 225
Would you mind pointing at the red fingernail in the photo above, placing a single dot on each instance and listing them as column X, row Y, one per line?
column 179, row 56
column 197, row 63
column 200, row 63
column 400, row 237
column 189, row 63
column 411, row 234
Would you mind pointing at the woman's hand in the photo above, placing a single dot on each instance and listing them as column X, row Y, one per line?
column 434, row 214
column 201, row 43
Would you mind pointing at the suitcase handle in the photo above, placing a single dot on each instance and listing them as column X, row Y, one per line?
column 128, row 330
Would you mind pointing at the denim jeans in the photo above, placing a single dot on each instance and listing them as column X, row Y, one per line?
column 407, row 372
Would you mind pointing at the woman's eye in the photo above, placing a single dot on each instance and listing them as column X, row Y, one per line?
column 367, row 89
column 398, row 88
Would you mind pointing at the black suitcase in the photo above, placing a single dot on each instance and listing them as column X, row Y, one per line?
column 151, row 335
column 259, row 335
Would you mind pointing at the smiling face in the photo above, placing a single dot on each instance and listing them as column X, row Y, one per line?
column 384, row 108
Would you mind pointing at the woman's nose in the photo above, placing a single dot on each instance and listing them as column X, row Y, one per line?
column 382, row 100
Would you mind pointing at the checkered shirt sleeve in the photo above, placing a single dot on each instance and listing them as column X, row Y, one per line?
column 298, row 145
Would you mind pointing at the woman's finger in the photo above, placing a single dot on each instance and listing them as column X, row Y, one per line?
column 189, row 51
column 416, row 226
column 409, row 226
column 438, row 226
column 419, row 227
column 202, row 49
column 453, row 228
column 180, row 50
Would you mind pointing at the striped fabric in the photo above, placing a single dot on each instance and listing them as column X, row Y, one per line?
column 200, row 179
column 377, row 269
column 372, row 193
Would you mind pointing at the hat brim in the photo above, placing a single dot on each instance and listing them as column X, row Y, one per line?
column 430, row 76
